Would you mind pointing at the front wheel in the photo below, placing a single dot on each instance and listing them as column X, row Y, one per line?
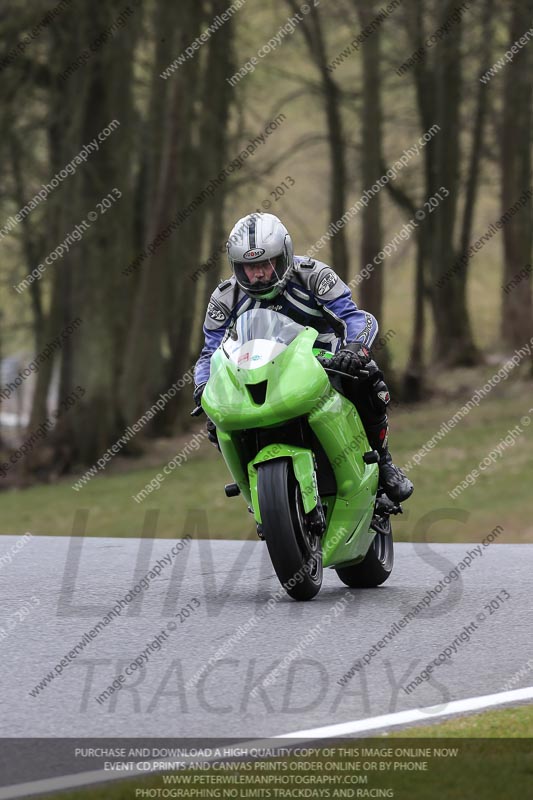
column 295, row 552
column 376, row 566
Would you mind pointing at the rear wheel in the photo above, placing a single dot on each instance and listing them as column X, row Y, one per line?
column 377, row 565
column 295, row 552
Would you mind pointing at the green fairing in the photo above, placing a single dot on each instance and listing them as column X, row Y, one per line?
column 304, row 471
column 296, row 383
column 297, row 386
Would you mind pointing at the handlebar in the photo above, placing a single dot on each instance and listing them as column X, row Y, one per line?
column 361, row 373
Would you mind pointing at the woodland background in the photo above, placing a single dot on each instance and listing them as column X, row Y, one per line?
column 346, row 116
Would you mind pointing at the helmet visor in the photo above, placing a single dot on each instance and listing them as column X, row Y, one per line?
column 259, row 277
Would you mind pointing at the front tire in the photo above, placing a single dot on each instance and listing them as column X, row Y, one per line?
column 376, row 566
column 296, row 554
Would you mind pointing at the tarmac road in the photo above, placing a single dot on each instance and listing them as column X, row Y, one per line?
column 220, row 589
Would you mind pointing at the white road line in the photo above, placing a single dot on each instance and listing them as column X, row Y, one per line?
column 79, row 780
column 427, row 714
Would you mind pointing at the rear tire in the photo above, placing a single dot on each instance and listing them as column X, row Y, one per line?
column 376, row 566
column 296, row 554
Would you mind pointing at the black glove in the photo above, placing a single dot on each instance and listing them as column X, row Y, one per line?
column 351, row 358
column 212, row 433
column 197, row 395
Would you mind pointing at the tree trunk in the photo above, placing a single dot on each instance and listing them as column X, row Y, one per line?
column 93, row 288
column 64, row 138
column 312, row 30
column 453, row 339
column 143, row 363
column 516, row 320
column 371, row 289
column 439, row 95
column 209, row 158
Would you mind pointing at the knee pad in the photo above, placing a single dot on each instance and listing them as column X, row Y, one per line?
column 380, row 396
column 378, row 390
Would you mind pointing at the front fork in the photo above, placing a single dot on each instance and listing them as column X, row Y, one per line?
column 304, row 467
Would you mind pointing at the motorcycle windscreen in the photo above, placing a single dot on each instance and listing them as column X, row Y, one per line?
column 256, row 353
column 263, row 324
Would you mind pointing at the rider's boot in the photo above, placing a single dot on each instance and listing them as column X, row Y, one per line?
column 396, row 484
column 371, row 398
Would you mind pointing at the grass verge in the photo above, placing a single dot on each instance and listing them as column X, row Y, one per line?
column 501, row 495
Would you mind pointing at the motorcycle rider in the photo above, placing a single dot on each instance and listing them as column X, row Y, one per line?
column 267, row 274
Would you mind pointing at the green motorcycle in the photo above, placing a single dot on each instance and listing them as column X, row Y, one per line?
column 299, row 455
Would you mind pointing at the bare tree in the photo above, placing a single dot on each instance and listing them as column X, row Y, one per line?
column 441, row 100
column 143, row 368
column 517, row 312
column 371, row 290
column 312, row 29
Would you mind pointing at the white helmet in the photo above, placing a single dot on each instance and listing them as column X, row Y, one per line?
column 261, row 237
